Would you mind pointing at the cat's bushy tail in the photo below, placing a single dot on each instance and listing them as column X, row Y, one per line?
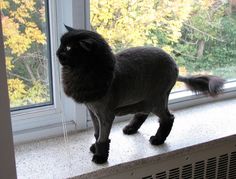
column 207, row 84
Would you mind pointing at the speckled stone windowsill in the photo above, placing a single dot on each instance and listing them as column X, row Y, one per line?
column 55, row 158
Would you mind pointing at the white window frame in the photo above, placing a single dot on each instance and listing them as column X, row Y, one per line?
column 39, row 122
column 46, row 121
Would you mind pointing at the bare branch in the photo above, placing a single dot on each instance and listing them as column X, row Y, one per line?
column 29, row 70
column 202, row 32
column 184, row 54
column 18, row 76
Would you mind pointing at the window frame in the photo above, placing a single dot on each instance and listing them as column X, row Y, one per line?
column 45, row 121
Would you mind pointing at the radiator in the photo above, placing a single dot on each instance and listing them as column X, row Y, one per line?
column 213, row 160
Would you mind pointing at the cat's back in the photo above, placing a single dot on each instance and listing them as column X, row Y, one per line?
column 143, row 59
column 142, row 50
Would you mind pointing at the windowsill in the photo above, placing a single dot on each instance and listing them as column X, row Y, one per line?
column 194, row 128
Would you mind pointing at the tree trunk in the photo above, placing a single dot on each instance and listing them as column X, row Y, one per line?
column 201, row 46
column 29, row 71
column 232, row 6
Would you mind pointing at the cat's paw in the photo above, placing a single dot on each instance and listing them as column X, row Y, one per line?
column 129, row 130
column 99, row 159
column 101, row 151
column 155, row 140
column 93, row 148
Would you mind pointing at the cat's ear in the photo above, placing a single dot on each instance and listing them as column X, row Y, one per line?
column 87, row 44
column 69, row 28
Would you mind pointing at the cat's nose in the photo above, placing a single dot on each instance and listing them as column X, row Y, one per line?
column 62, row 58
column 58, row 51
column 61, row 55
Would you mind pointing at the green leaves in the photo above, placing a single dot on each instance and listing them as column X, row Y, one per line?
column 25, row 48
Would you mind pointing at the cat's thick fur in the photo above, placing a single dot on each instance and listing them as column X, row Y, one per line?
column 135, row 81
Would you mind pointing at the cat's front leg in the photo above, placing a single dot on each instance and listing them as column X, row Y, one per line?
column 102, row 144
column 96, row 130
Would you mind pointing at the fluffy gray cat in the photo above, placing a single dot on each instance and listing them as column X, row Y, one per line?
column 135, row 81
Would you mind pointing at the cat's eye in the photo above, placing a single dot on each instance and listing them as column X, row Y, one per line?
column 68, row 48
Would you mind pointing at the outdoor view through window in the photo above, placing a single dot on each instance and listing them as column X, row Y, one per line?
column 199, row 34
column 27, row 52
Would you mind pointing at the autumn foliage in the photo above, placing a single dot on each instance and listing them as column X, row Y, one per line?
column 200, row 35
column 25, row 41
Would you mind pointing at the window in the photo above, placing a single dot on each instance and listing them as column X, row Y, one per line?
column 27, row 50
column 31, row 32
column 200, row 35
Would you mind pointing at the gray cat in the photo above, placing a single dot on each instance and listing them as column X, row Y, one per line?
column 135, row 81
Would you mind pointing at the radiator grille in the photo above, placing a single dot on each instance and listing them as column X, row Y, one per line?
column 199, row 170
column 187, row 171
column 148, row 177
column 161, row 175
column 211, row 168
column 232, row 166
column 223, row 166
column 220, row 167
column 174, row 173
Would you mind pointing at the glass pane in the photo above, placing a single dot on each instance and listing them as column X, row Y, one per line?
column 26, row 40
column 199, row 34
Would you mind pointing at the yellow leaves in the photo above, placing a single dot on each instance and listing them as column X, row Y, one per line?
column 23, row 11
column 21, row 95
column 16, row 89
column 27, row 4
column 42, row 14
column 19, row 31
column 4, row 4
column 9, row 64
column 23, row 35
column 126, row 23
column 167, row 48
column 122, row 23
column 205, row 4
column 183, row 72
column 171, row 15
column 14, row 39
column 32, row 32
column 16, row 1
column 10, row 28
column 19, row 44
column 37, row 94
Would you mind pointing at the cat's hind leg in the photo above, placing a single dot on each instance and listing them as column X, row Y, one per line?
column 135, row 123
column 166, row 120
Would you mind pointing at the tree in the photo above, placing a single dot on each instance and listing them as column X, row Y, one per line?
column 25, row 42
column 136, row 22
column 200, row 35
column 208, row 40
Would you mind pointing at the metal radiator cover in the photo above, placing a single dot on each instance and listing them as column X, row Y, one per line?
column 217, row 161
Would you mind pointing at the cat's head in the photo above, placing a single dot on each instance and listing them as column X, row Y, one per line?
column 88, row 65
column 83, row 47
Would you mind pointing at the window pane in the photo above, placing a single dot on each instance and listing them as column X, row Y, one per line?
column 26, row 39
column 200, row 35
